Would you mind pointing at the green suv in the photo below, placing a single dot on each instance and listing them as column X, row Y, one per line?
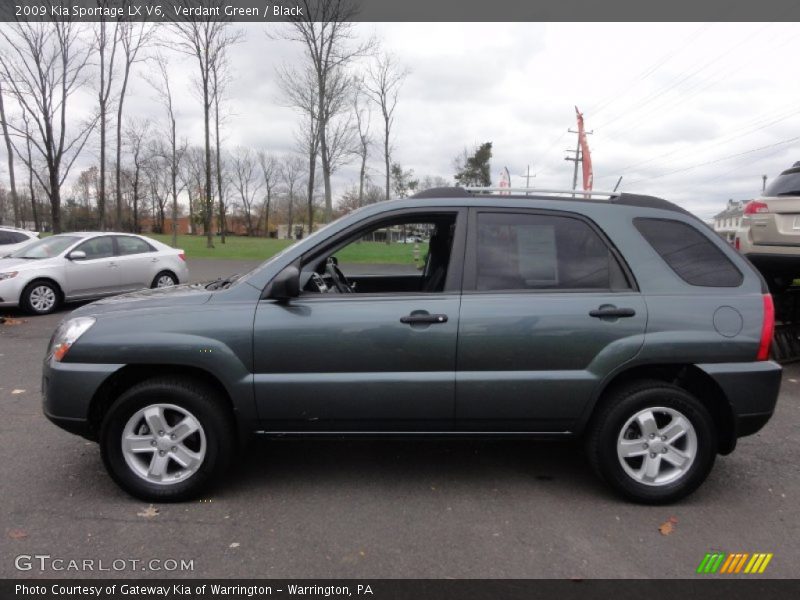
column 625, row 321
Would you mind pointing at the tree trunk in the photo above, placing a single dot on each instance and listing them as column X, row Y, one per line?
column 361, row 177
column 118, row 166
column 55, row 201
column 209, row 204
column 10, row 152
column 266, row 217
column 386, row 157
column 223, row 225
column 174, row 186
column 312, row 168
column 101, row 186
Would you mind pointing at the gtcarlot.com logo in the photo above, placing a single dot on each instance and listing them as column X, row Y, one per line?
column 739, row 562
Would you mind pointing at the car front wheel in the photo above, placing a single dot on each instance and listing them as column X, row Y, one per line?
column 40, row 298
column 167, row 439
column 652, row 442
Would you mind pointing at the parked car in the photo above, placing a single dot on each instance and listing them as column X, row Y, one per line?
column 13, row 238
column 625, row 321
column 83, row 266
column 770, row 232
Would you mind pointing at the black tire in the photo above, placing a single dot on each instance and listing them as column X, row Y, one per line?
column 161, row 274
column 28, row 302
column 620, row 406
column 203, row 403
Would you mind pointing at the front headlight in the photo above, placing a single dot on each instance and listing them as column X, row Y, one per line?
column 8, row 275
column 67, row 334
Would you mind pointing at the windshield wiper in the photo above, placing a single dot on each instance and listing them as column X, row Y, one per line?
column 222, row 283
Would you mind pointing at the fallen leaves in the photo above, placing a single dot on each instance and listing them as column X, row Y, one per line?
column 17, row 534
column 17, row 391
column 234, row 545
column 668, row 526
column 10, row 321
column 149, row 512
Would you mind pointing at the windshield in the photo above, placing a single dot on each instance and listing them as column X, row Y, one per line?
column 786, row 184
column 46, row 248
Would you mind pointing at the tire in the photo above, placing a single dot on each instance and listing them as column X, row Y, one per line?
column 650, row 474
column 40, row 297
column 160, row 279
column 158, row 475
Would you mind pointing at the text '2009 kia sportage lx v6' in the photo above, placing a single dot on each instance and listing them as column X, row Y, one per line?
column 625, row 321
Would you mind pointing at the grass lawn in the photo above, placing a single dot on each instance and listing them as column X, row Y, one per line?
column 247, row 248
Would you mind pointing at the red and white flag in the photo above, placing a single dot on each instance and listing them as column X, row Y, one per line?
column 505, row 180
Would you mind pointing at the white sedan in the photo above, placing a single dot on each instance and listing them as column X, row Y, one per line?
column 82, row 266
column 12, row 239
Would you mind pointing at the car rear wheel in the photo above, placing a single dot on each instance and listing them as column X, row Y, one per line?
column 40, row 297
column 167, row 439
column 164, row 279
column 652, row 442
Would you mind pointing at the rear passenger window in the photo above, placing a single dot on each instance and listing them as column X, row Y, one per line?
column 689, row 253
column 535, row 252
column 131, row 245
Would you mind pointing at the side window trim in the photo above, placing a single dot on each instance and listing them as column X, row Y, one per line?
column 471, row 253
column 454, row 278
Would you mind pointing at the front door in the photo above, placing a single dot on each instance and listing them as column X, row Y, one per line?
column 548, row 310
column 97, row 274
column 382, row 360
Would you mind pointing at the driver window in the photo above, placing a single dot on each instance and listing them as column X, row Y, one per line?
column 406, row 256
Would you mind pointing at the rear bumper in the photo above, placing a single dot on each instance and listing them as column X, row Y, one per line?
column 751, row 389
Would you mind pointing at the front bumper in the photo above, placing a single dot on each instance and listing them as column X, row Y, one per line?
column 67, row 392
column 751, row 389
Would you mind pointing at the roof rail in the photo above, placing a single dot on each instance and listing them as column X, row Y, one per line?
column 530, row 190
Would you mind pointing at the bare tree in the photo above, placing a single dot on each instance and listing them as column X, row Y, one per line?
column 133, row 37
column 382, row 83
column 192, row 174
column 44, row 65
column 106, row 41
column 363, row 116
column 135, row 136
column 10, row 153
column 326, row 30
column 220, row 78
column 174, row 154
column 292, row 171
column 206, row 40
column 270, row 173
column 247, row 183
column 156, row 170
column 30, row 163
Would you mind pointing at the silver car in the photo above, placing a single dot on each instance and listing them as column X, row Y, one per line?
column 83, row 266
column 13, row 238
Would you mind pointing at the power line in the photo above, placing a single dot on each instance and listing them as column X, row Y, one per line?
column 719, row 160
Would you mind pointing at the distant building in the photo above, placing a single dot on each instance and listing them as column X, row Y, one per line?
column 729, row 220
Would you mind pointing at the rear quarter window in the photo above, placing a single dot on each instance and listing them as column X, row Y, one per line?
column 689, row 253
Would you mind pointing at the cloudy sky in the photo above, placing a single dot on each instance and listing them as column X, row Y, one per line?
column 695, row 113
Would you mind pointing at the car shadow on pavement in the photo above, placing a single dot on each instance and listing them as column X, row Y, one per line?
column 288, row 463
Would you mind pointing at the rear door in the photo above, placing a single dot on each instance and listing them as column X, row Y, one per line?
column 137, row 262
column 548, row 310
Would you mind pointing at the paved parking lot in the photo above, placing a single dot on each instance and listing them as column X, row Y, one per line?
column 382, row 508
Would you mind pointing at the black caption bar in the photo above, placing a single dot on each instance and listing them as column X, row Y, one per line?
column 397, row 589
column 403, row 10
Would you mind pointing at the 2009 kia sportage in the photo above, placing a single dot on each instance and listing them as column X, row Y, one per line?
column 624, row 320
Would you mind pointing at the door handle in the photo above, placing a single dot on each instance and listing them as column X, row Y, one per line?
column 611, row 312
column 423, row 319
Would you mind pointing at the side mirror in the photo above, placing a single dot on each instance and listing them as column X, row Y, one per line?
column 77, row 255
column 285, row 285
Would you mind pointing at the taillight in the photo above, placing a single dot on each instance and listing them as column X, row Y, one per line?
column 755, row 206
column 182, row 256
column 767, row 329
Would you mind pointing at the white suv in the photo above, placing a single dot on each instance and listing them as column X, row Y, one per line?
column 770, row 232
column 12, row 239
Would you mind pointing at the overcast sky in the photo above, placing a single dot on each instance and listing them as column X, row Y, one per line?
column 695, row 113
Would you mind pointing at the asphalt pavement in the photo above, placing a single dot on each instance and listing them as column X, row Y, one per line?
column 374, row 509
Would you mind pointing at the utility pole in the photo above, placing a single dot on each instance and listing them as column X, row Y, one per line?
column 763, row 183
column 577, row 159
column 527, row 175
